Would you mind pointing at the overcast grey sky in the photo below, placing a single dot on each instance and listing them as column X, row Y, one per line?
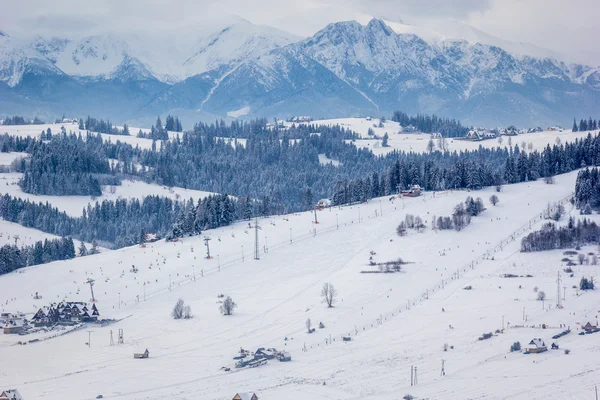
column 567, row 26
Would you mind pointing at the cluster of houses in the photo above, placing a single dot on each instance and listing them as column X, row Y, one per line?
column 302, row 118
column 65, row 313
column 260, row 357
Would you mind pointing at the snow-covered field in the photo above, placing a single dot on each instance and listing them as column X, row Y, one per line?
column 395, row 320
column 8, row 158
column 417, row 142
column 36, row 130
column 73, row 205
column 9, row 231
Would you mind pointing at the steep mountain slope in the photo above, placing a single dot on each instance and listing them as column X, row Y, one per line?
column 343, row 70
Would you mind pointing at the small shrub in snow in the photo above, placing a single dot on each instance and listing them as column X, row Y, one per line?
column 408, row 397
column 567, row 351
column 535, row 289
column 227, row 306
column 468, row 287
column 516, row 346
column 486, row 336
column 568, row 270
column 581, row 258
column 570, row 253
column 586, row 284
column 178, row 310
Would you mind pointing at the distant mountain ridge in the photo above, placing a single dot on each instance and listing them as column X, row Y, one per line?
column 345, row 69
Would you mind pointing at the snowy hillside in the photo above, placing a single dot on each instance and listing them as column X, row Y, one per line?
column 395, row 320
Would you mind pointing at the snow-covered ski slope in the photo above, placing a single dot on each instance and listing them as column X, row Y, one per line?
column 395, row 320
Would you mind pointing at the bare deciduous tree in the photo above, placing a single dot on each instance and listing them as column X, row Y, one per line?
column 227, row 306
column 494, row 199
column 329, row 294
column 541, row 295
column 177, row 312
column 581, row 258
column 401, row 229
column 187, row 312
column 308, row 325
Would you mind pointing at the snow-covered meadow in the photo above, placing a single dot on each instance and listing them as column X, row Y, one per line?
column 417, row 142
column 396, row 320
column 73, row 205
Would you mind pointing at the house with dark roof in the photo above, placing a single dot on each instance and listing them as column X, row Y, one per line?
column 537, row 345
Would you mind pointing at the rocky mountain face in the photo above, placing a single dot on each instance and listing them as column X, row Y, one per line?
column 345, row 69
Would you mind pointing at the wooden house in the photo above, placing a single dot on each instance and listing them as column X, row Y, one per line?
column 589, row 327
column 537, row 345
column 14, row 326
column 245, row 396
column 11, row 394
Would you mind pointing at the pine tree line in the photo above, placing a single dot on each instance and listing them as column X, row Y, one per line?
column 19, row 120
column 65, row 166
column 123, row 222
column 585, row 125
column 550, row 237
column 431, row 124
column 471, row 170
column 13, row 257
column 587, row 189
column 173, row 124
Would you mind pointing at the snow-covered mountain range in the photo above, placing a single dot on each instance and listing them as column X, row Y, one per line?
column 251, row 70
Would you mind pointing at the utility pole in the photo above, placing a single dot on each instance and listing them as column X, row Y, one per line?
column 170, row 282
column 564, row 293
column 144, row 291
column 266, row 245
column 443, row 372
column 89, row 338
column 256, row 244
column 242, row 253
column 316, row 221
column 337, row 222
column 206, row 240
column 502, row 322
column 121, row 339
column 558, row 281
column 290, row 235
column 91, row 283
column 359, row 214
column 119, row 300
column 112, row 342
